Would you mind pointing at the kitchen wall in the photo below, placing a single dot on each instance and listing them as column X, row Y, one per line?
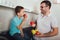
column 5, row 16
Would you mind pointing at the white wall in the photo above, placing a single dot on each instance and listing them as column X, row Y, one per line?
column 5, row 16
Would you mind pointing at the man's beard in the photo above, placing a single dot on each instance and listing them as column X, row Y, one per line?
column 43, row 12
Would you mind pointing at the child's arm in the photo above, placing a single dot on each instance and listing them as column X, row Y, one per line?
column 20, row 26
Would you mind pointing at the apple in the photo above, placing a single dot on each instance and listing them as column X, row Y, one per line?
column 33, row 32
column 24, row 15
column 32, row 23
column 37, row 33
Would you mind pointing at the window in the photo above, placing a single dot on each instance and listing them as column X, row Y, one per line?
column 56, row 1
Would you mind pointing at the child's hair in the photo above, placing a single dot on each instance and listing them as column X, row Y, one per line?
column 18, row 9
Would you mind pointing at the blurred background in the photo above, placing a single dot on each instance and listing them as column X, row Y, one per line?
column 32, row 9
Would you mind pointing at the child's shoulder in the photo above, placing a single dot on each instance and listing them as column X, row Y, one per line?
column 13, row 19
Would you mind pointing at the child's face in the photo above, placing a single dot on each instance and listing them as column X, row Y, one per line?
column 21, row 13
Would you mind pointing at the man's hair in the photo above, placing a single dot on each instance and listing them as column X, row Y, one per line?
column 18, row 9
column 48, row 3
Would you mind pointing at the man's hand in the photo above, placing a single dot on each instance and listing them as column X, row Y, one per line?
column 39, row 36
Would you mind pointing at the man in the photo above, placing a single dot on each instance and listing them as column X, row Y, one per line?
column 46, row 22
column 17, row 23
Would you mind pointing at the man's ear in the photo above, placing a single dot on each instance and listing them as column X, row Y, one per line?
column 48, row 7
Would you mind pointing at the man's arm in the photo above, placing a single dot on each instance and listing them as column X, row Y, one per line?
column 54, row 32
column 50, row 34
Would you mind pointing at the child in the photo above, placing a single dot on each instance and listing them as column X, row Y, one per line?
column 17, row 23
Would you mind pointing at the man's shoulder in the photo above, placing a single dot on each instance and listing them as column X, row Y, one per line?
column 53, row 15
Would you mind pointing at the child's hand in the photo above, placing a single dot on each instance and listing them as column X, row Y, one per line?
column 25, row 16
column 22, row 34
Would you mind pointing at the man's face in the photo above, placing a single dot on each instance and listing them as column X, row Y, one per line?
column 21, row 13
column 43, row 8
